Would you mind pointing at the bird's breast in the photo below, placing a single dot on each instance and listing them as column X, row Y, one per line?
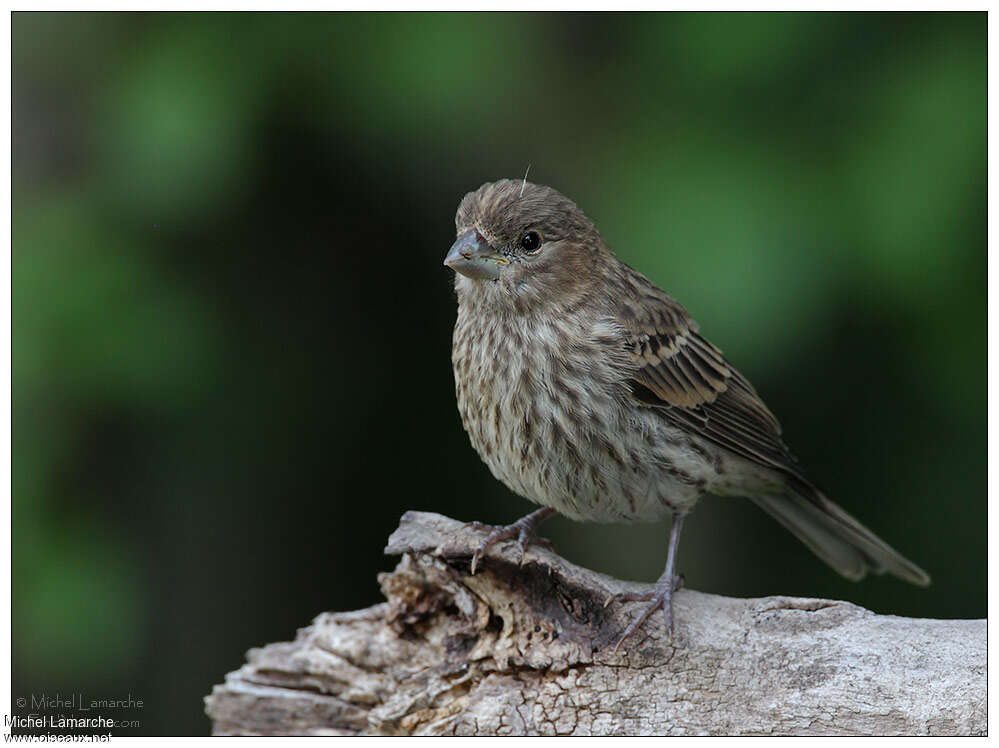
column 544, row 410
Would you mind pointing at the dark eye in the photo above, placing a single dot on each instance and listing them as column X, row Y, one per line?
column 531, row 241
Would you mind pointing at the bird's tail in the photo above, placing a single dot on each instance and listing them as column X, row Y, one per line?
column 836, row 537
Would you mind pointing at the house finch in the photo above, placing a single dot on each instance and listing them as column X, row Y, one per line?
column 588, row 390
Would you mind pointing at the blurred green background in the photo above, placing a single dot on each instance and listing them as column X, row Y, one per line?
column 231, row 326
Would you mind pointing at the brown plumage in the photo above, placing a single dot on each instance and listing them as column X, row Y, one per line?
column 587, row 389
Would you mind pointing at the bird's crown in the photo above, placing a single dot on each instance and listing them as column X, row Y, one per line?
column 510, row 206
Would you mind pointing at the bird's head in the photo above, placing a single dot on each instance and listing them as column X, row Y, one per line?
column 523, row 245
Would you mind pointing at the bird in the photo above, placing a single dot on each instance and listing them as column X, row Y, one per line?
column 588, row 390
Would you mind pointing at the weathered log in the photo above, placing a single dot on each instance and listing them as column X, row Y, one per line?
column 528, row 648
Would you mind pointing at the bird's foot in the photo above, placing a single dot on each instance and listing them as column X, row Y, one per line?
column 660, row 596
column 524, row 529
column 642, row 597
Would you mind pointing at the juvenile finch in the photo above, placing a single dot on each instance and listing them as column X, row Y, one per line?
column 588, row 390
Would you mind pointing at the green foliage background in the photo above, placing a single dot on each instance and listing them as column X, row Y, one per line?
column 231, row 329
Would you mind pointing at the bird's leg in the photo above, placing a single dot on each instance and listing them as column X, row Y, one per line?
column 661, row 596
column 524, row 529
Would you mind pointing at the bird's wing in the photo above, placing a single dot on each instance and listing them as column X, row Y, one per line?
column 688, row 379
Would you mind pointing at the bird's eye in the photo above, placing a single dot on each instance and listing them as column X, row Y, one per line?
column 531, row 241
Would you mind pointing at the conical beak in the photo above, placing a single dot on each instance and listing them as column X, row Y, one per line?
column 472, row 256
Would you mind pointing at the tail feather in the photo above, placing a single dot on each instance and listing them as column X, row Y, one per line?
column 836, row 537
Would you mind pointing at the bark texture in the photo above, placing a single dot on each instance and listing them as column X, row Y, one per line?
column 527, row 649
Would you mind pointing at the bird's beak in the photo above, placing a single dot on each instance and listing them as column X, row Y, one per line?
column 472, row 256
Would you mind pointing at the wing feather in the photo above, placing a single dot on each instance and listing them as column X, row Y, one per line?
column 688, row 379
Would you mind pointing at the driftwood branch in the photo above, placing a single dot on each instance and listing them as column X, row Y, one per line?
column 526, row 649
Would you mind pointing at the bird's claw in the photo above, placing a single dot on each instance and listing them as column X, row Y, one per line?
column 660, row 596
column 525, row 537
column 523, row 529
column 641, row 597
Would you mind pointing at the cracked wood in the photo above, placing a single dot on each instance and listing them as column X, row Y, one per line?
column 526, row 649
